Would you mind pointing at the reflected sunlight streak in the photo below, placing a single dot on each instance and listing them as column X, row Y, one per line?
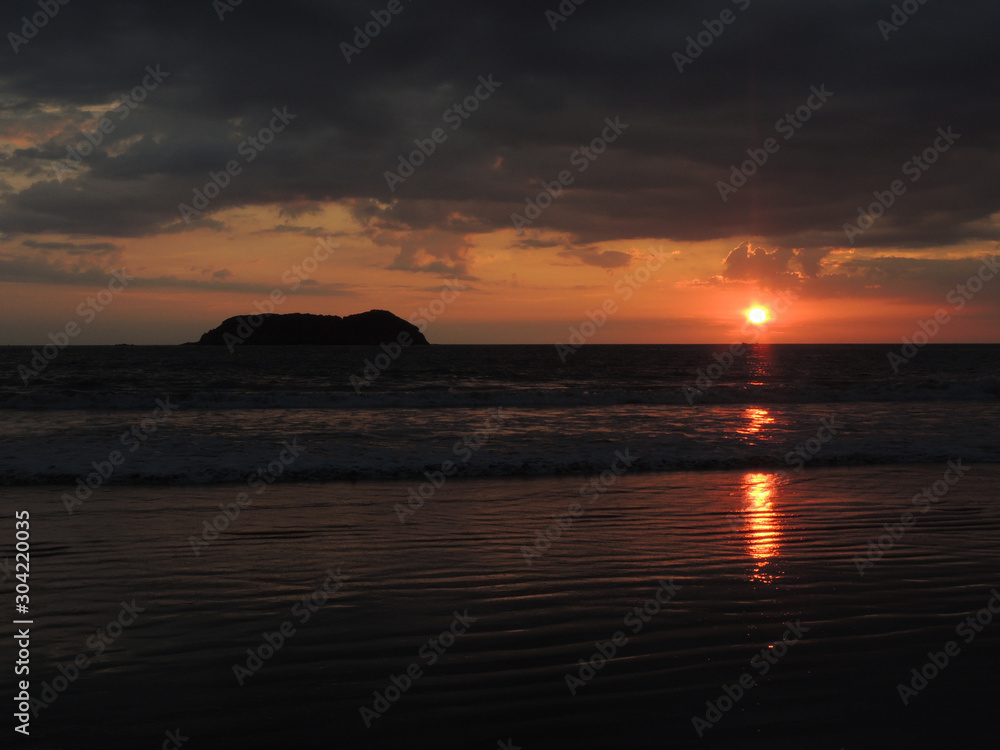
column 762, row 523
column 757, row 420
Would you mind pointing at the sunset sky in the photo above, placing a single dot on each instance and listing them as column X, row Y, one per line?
column 506, row 95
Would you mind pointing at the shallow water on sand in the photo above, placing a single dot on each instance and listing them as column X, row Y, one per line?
column 744, row 554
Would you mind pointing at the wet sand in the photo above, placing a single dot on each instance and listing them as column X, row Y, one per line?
column 489, row 595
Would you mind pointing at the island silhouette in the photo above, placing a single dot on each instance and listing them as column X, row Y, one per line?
column 373, row 328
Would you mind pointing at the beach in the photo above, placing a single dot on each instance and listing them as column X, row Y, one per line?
column 317, row 614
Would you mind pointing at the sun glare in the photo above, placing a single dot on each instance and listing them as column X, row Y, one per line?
column 757, row 316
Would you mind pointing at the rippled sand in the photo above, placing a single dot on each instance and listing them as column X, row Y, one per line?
column 745, row 554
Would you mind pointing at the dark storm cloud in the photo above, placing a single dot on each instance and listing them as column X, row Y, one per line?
column 658, row 179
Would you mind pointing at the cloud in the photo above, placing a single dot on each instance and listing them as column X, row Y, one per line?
column 441, row 255
column 297, row 210
column 73, row 248
column 34, row 271
column 845, row 275
column 527, row 243
column 766, row 267
column 30, row 270
column 305, row 231
column 658, row 179
column 922, row 280
column 592, row 256
column 72, row 257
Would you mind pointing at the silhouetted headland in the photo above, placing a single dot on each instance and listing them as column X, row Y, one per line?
column 370, row 328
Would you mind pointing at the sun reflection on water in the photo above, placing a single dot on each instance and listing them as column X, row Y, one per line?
column 756, row 421
column 762, row 525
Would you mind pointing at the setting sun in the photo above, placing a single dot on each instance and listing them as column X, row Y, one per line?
column 757, row 316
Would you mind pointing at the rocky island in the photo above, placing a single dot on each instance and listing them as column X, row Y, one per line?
column 302, row 329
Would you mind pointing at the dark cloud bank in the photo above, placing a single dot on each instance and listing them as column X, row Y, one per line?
column 554, row 88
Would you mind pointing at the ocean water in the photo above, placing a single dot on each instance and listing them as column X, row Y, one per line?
column 454, row 539
column 217, row 415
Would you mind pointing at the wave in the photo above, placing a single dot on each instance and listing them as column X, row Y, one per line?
column 179, row 467
column 980, row 389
